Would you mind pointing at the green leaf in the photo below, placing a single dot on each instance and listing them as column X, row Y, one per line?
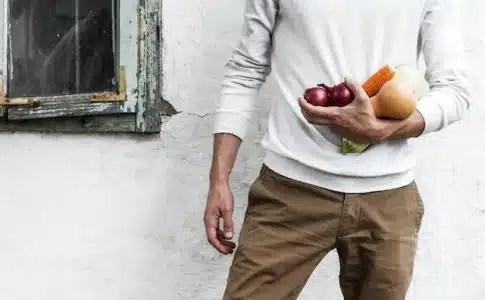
column 349, row 147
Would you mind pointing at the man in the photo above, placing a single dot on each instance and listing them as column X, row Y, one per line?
column 309, row 198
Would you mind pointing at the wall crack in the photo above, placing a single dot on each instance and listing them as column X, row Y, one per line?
column 202, row 116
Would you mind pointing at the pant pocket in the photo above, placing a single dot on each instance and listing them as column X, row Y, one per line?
column 254, row 185
column 419, row 204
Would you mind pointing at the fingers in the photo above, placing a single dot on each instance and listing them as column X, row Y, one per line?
column 228, row 223
column 318, row 115
column 216, row 237
column 211, row 223
column 227, row 243
column 356, row 89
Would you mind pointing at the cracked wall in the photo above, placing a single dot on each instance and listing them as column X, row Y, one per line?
column 119, row 218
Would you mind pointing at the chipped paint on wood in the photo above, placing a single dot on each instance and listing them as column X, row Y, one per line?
column 149, row 119
column 139, row 94
column 3, row 40
column 64, row 105
column 124, row 123
column 128, row 59
column 128, row 50
column 3, row 48
column 112, row 97
column 14, row 101
column 141, row 71
column 79, row 105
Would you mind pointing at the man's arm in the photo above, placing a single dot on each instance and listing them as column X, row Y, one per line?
column 449, row 94
column 444, row 104
column 405, row 129
column 225, row 149
column 446, row 67
column 246, row 71
column 220, row 200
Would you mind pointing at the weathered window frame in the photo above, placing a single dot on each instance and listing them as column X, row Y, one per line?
column 136, row 108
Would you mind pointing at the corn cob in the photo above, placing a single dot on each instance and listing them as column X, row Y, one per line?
column 372, row 85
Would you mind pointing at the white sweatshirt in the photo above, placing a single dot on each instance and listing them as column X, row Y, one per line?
column 306, row 42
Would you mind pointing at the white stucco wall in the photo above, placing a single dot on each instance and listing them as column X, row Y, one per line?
column 118, row 218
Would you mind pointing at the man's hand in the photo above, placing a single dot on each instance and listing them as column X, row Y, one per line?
column 356, row 121
column 219, row 206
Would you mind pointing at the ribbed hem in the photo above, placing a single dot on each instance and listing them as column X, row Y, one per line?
column 344, row 184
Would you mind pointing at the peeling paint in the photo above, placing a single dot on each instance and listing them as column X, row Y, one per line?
column 15, row 101
column 109, row 96
column 148, row 108
column 141, row 38
column 94, row 97
column 141, row 74
column 139, row 86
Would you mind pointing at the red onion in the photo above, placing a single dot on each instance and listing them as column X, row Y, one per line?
column 341, row 95
column 317, row 96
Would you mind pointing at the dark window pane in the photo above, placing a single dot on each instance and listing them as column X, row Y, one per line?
column 62, row 47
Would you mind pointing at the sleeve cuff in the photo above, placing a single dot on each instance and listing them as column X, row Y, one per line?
column 232, row 123
column 432, row 113
column 234, row 114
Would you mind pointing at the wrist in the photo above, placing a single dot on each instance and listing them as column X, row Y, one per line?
column 400, row 129
column 218, row 178
column 384, row 129
column 218, row 183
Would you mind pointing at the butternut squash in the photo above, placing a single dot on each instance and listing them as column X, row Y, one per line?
column 397, row 98
column 394, row 101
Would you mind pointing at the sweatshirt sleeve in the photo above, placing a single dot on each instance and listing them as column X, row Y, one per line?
column 446, row 69
column 247, row 69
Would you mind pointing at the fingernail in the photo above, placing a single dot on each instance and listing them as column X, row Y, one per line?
column 228, row 235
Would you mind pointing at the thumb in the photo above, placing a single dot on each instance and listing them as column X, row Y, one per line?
column 356, row 89
column 228, row 223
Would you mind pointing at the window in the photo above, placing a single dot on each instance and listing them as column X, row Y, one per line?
column 80, row 65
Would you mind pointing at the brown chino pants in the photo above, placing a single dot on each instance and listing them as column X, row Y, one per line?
column 290, row 226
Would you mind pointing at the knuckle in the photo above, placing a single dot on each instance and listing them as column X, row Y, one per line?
column 207, row 220
column 312, row 112
column 308, row 115
column 335, row 117
column 226, row 209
